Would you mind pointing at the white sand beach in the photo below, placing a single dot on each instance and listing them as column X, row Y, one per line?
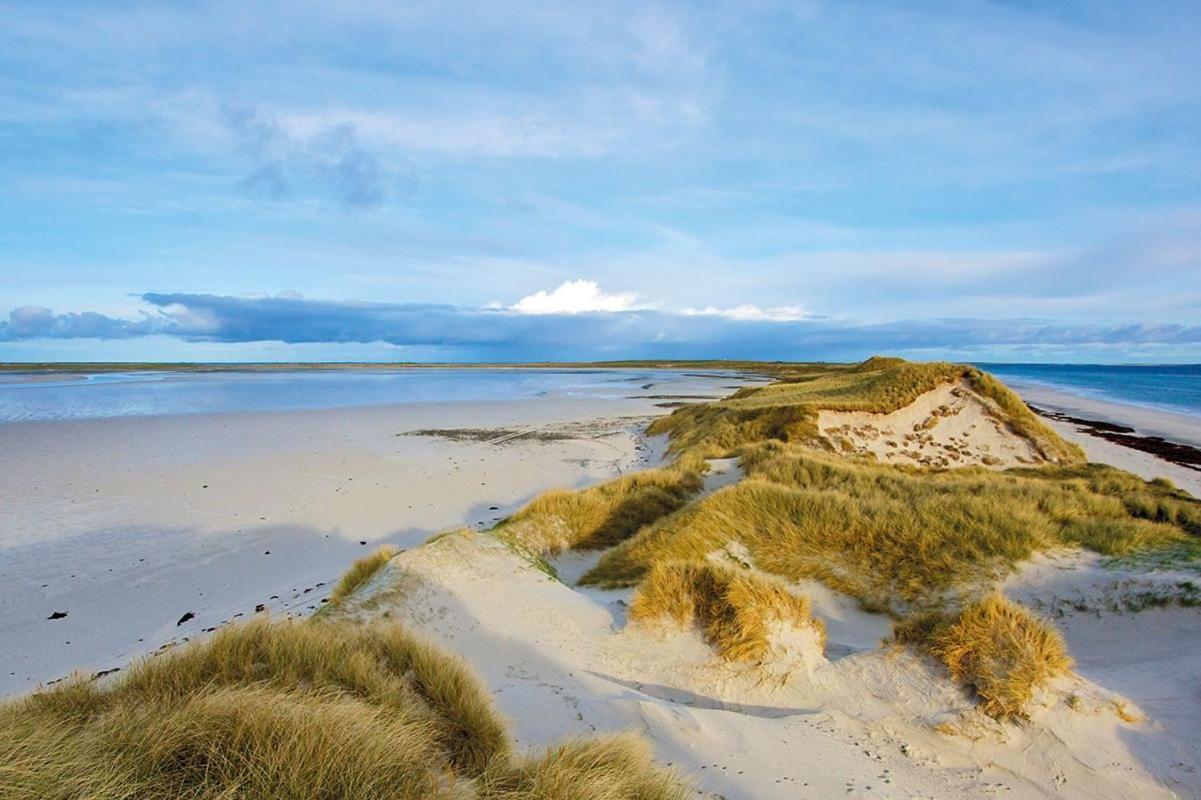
column 127, row 525
column 1175, row 427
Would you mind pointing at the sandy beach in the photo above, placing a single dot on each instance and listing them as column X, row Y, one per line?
column 149, row 530
column 1174, row 427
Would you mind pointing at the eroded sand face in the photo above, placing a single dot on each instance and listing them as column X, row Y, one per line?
column 951, row 426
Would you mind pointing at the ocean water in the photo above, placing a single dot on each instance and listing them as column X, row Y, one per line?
column 48, row 397
column 1168, row 387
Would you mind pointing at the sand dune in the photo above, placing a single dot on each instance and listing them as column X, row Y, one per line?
column 951, row 425
column 861, row 720
column 859, row 716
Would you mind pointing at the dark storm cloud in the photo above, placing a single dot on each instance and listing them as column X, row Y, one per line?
column 504, row 334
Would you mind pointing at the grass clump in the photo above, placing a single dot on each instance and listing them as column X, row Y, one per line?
column 294, row 710
column 259, row 710
column 737, row 610
column 895, row 537
column 603, row 515
column 997, row 647
column 362, row 571
column 611, row 768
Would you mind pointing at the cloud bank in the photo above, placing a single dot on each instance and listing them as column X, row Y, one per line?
column 568, row 324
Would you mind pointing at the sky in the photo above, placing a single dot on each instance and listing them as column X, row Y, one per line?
column 480, row 181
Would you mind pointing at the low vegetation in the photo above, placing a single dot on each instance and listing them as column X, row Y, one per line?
column 737, row 610
column 360, row 572
column 603, row 515
column 606, row 768
column 897, row 537
column 297, row 710
column 995, row 646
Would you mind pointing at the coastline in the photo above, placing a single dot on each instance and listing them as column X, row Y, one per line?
column 128, row 525
column 1132, row 437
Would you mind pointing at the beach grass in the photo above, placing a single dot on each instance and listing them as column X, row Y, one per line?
column 360, row 572
column 995, row 646
column 605, row 514
column 737, row 610
column 296, row 710
column 603, row 768
column 895, row 537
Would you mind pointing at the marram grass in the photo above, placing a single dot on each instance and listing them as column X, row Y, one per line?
column 296, row 711
column 360, row 572
column 995, row 646
column 786, row 411
column 898, row 537
column 602, row 515
column 737, row 610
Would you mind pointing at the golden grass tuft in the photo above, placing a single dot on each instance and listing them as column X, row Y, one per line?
column 603, row 515
column 736, row 609
column 296, row 710
column 362, row 571
column 608, row 768
column 995, row 646
column 256, row 711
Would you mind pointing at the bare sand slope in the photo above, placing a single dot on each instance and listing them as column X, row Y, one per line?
column 951, row 426
column 1132, row 626
column 874, row 722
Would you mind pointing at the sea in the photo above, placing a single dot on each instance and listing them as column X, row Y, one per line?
column 1175, row 388
column 30, row 396
column 48, row 396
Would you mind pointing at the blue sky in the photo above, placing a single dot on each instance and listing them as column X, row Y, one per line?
column 970, row 180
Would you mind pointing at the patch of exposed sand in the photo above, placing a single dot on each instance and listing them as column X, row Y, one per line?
column 1133, row 626
column 951, row 426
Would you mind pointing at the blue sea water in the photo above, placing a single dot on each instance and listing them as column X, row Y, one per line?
column 1168, row 387
column 101, row 395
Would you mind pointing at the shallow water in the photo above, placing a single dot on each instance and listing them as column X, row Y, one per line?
column 104, row 395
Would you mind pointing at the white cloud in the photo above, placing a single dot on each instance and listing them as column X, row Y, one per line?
column 747, row 311
column 573, row 297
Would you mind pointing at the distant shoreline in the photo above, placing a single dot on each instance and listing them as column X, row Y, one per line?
column 76, row 367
